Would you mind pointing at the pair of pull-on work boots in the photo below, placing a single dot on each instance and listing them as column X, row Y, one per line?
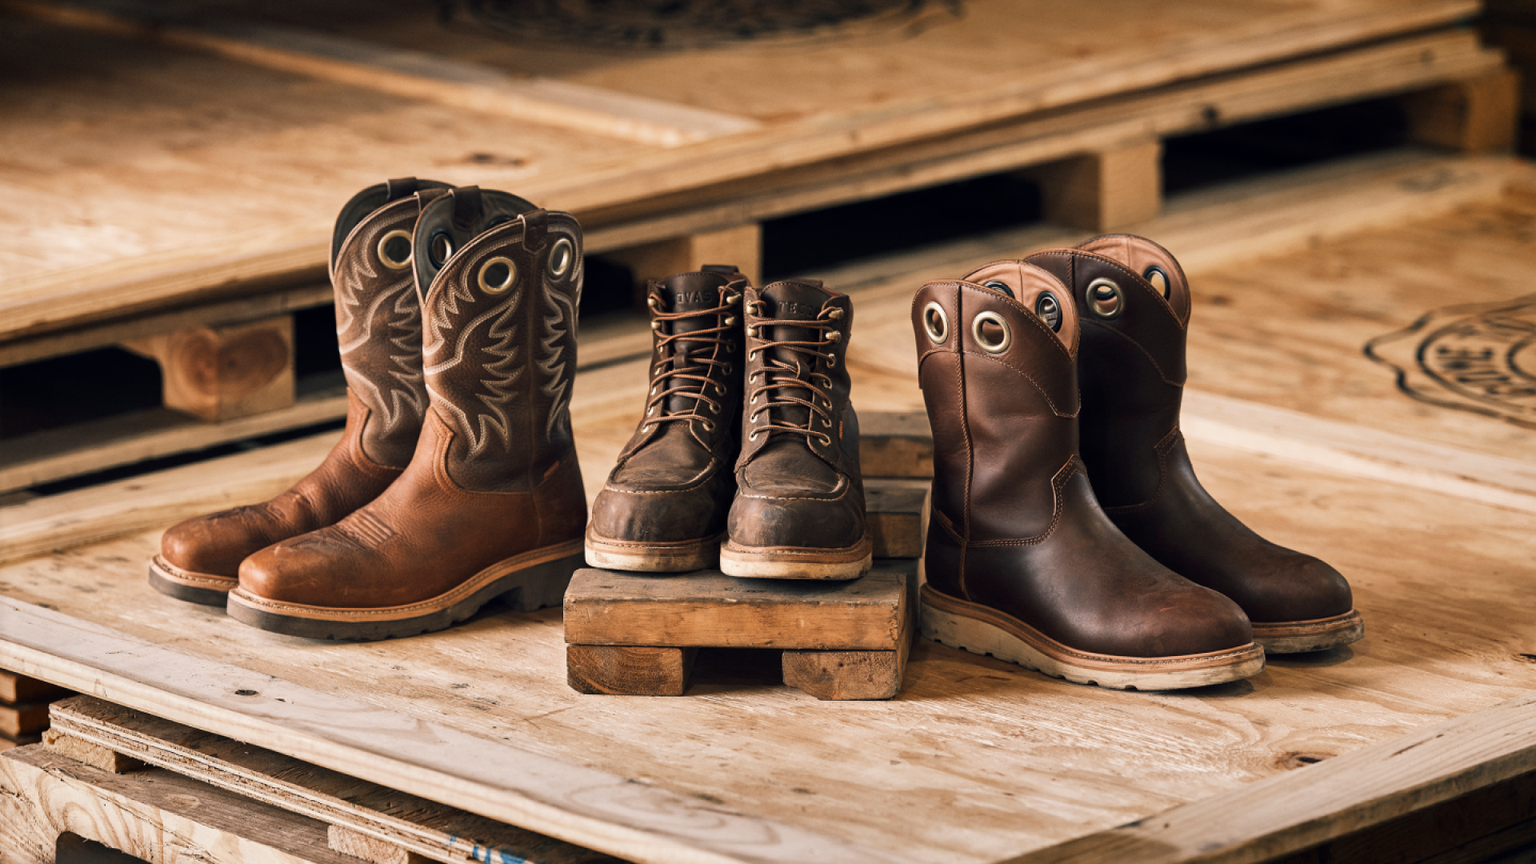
column 455, row 480
column 1042, row 373
column 747, row 454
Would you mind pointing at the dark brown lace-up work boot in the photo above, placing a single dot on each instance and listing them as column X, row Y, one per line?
column 378, row 326
column 492, row 501
column 665, row 503
column 1134, row 302
column 1020, row 561
column 799, row 508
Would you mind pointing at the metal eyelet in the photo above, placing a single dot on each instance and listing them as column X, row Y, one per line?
column 826, row 440
column 1000, row 287
column 708, row 426
column 834, row 336
column 936, row 322
column 497, row 275
column 1105, row 298
column 729, row 368
column 649, row 427
column 753, row 436
column 651, row 301
column 733, row 299
column 752, row 330
column 713, row 408
column 394, row 249
column 730, row 320
column 835, row 314
column 560, row 257
column 1048, row 309
column 831, row 361
column 984, row 342
column 753, row 400
column 1167, row 286
column 656, row 325
column 439, row 248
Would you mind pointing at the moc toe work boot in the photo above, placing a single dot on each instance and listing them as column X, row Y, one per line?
column 799, row 507
column 492, row 500
column 664, row 506
column 378, row 327
column 1020, row 561
column 1134, row 301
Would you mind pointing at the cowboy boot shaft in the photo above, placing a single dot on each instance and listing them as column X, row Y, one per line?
column 499, row 348
column 1131, row 368
column 1004, row 416
column 378, row 330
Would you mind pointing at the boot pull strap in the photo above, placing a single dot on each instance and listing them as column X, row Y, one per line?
column 400, row 187
column 468, row 207
column 535, row 229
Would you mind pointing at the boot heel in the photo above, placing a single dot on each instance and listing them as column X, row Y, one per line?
column 543, row 585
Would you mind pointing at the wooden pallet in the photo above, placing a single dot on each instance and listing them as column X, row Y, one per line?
column 633, row 635
column 1425, row 507
column 664, row 174
column 24, row 705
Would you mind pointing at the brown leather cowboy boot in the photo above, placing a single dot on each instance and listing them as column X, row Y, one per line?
column 492, row 501
column 1020, row 561
column 799, row 507
column 1132, row 373
column 665, row 502
column 378, row 326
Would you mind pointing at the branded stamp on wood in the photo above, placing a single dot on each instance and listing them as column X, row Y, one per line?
column 1477, row 357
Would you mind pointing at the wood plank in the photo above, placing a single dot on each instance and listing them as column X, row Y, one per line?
column 154, row 815
column 232, row 258
column 1321, row 802
column 629, row 670
column 432, row 831
column 406, row 73
column 709, row 609
column 976, row 743
column 23, row 719
column 225, row 372
column 484, row 775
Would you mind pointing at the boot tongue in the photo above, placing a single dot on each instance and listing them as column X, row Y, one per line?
column 793, row 300
column 690, row 292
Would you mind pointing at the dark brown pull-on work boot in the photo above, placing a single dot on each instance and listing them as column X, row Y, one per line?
column 799, row 507
column 1020, row 561
column 665, row 503
column 378, row 326
column 491, row 501
column 1134, row 302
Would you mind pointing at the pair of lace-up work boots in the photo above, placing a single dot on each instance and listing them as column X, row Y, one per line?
column 747, row 454
column 1043, row 373
column 455, row 480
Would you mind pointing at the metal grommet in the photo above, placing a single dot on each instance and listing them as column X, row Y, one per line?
column 497, row 275
column 753, row 436
column 826, row 440
column 986, row 343
column 560, row 257
column 1000, row 287
column 831, row 361
column 1167, row 284
column 1105, row 298
column 1048, row 309
column 394, row 249
column 936, row 322
column 439, row 248
column 708, row 426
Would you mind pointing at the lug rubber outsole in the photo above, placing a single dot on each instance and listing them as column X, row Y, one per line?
column 204, row 589
column 1295, row 637
column 797, row 562
column 681, row 557
column 982, row 630
column 538, row 578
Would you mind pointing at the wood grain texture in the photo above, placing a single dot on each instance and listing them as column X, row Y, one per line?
column 894, row 513
column 225, row 372
column 90, row 753
column 708, row 609
column 1475, row 115
column 107, row 259
column 27, row 718
column 405, row 822
column 153, row 815
column 629, row 670
column 1104, row 190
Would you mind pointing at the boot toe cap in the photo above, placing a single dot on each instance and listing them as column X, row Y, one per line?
column 809, row 522
column 214, row 544
column 642, row 516
column 1297, row 587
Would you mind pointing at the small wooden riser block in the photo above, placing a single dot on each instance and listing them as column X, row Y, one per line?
column 894, row 512
column 895, row 444
column 1106, row 190
column 15, row 687
column 634, row 635
column 1476, row 115
column 90, row 753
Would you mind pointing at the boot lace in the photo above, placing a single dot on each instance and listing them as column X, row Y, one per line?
column 694, row 377
column 788, row 383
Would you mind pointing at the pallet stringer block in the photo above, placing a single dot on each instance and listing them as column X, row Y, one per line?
column 1474, row 115
column 740, row 245
column 1104, row 190
column 225, row 371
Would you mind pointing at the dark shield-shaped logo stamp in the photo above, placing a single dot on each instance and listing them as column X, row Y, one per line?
column 1477, row 357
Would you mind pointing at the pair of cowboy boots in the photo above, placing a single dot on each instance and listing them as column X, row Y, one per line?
column 1038, row 373
column 455, row 480
column 747, row 456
